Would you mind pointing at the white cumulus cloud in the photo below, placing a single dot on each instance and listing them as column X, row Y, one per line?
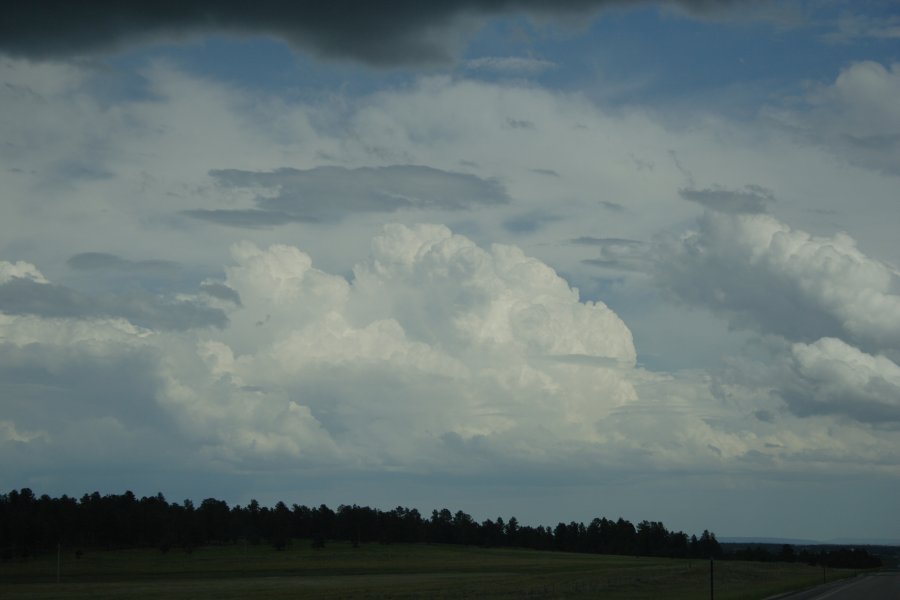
column 19, row 270
column 834, row 377
column 432, row 337
column 765, row 275
column 856, row 115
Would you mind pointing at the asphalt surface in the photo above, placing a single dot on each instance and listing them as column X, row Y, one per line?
column 880, row 586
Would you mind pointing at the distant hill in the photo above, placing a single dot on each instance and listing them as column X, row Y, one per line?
column 801, row 542
column 770, row 540
column 865, row 541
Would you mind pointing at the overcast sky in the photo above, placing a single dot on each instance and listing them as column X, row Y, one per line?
column 555, row 260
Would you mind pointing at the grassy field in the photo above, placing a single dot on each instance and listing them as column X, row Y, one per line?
column 389, row 571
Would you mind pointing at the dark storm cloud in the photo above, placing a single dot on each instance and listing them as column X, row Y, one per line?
column 751, row 199
column 390, row 32
column 101, row 261
column 327, row 194
column 20, row 296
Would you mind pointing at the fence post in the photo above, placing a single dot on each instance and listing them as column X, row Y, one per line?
column 712, row 589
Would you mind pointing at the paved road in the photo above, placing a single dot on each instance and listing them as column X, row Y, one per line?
column 881, row 586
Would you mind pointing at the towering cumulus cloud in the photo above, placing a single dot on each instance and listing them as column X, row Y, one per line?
column 435, row 344
column 436, row 353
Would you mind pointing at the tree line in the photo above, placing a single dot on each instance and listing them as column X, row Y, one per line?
column 31, row 525
column 834, row 557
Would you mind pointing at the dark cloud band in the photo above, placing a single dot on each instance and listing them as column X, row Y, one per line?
column 751, row 199
column 102, row 261
column 327, row 194
column 20, row 296
column 391, row 32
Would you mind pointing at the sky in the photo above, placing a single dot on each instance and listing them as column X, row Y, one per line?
column 555, row 260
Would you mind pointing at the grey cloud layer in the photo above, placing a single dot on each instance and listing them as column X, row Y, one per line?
column 45, row 385
column 326, row 194
column 91, row 261
column 385, row 33
column 23, row 296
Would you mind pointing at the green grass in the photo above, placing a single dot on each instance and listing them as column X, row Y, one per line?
column 390, row 571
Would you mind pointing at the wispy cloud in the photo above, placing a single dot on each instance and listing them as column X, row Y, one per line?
column 99, row 261
column 750, row 199
column 327, row 194
column 516, row 65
